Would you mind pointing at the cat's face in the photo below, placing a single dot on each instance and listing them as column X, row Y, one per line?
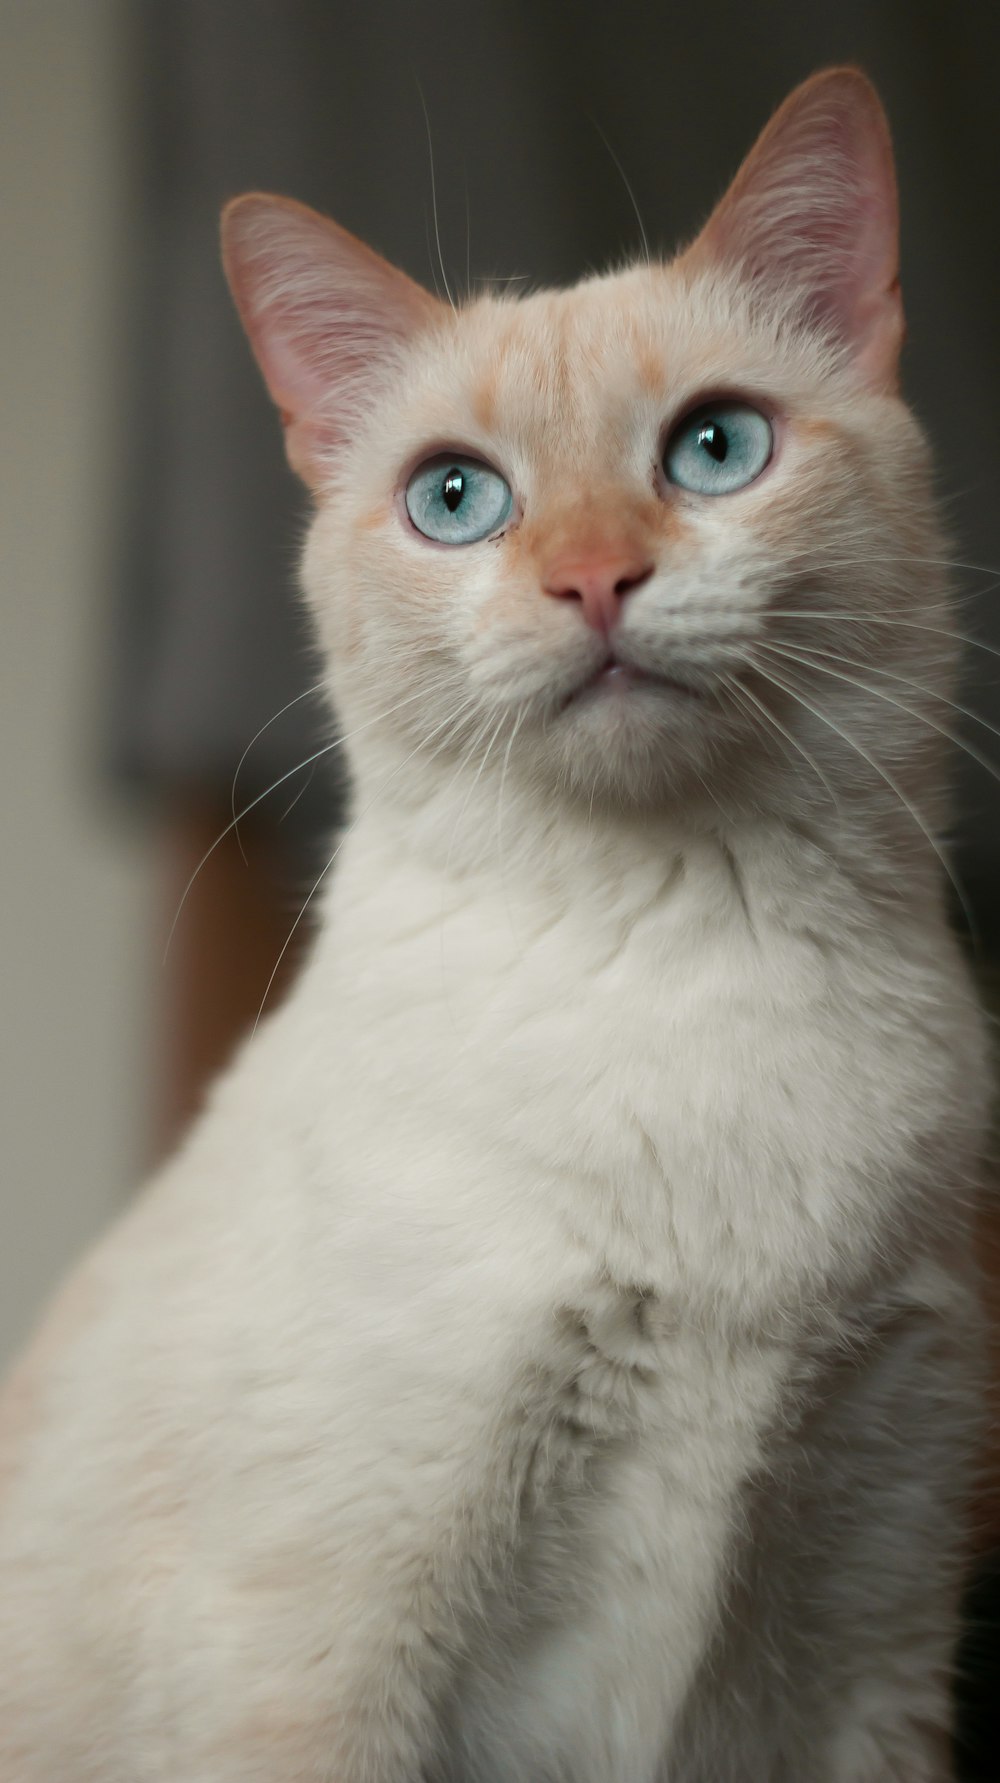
column 593, row 535
column 607, row 622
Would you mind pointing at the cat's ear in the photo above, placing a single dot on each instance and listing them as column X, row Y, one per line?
column 326, row 317
column 813, row 212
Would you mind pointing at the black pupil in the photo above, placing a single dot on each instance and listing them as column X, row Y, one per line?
column 713, row 438
column 453, row 490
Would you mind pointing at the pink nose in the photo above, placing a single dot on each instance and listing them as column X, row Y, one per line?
column 600, row 584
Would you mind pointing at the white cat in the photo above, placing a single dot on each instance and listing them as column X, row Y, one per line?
column 552, row 1358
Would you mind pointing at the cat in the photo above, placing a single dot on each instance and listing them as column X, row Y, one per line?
column 553, row 1357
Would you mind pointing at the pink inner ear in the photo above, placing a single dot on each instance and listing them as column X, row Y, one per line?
column 325, row 316
column 813, row 212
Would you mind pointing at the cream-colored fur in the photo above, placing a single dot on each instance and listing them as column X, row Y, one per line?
column 552, row 1357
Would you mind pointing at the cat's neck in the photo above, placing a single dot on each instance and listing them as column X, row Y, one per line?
column 489, row 836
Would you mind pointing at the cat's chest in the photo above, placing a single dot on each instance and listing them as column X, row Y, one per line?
column 689, row 1098
column 671, row 1091
column 606, row 1362
column 612, row 1359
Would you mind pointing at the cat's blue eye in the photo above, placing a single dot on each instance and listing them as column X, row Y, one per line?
column 457, row 500
column 719, row 448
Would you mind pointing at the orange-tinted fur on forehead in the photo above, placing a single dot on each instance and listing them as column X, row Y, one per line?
column 565, row 373
column 484, row 402
column 553, row 355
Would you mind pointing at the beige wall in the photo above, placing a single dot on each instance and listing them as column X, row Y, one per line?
column 75, row 952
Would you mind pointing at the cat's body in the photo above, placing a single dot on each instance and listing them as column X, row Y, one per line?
column 552, row 1357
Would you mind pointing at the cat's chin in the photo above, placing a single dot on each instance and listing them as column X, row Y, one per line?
column 635, row 736
column 621, row 680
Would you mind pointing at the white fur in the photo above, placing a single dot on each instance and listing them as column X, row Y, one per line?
column 552, row 1357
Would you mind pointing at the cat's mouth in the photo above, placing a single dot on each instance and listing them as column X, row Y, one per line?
column 616, row 679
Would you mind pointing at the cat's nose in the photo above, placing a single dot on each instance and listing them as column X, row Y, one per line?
column 600, row 584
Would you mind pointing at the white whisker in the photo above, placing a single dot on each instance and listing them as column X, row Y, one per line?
column 304, row 788
column 468, row 240
column 739, row 688
column 499, row 825
column 890, row 675
column 631, row 194
column 901, row 557
column 883, row 774
column 322, row 875
column 317, row 687
column 475, row 780
column 462, row 766
column 792, row 655
column 338, row 743
column 956, row 637
column 434, row 202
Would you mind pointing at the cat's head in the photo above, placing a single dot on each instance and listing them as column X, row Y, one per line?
column 638, row 538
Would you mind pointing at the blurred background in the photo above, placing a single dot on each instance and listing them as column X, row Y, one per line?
column 148, row 627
